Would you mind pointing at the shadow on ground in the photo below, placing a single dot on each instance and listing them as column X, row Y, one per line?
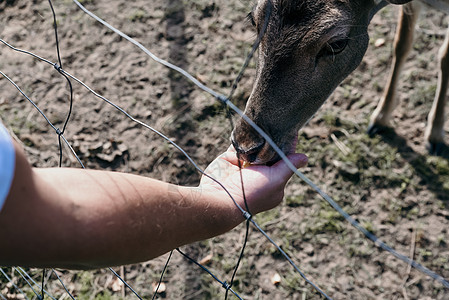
column 429, row 177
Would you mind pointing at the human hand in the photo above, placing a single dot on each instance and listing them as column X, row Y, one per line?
column 263, row 185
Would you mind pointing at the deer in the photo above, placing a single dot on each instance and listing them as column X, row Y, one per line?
column 308, row 48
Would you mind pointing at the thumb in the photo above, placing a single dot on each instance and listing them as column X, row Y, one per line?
column 299, row 160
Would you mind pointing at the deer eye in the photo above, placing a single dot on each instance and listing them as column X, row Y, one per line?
column 334, row 48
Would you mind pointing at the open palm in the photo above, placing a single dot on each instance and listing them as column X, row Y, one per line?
column 263, row 186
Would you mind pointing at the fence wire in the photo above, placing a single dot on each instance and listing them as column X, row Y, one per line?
column 39, row 290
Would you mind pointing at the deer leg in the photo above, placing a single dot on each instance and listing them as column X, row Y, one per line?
column 434, row 134
column 380, row 119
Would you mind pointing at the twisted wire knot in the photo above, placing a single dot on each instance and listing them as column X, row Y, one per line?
column 57, row 67
column 247, row 215
column 223, row 99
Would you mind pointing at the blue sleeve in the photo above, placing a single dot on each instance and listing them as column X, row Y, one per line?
column 7, row 164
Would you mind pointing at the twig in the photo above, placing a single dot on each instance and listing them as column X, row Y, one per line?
column 409, row 267
column 343, row 148
column 122, row 274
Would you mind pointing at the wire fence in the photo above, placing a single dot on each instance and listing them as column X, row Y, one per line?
column 38, row 288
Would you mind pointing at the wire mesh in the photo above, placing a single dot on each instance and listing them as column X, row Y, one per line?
column 222, row 99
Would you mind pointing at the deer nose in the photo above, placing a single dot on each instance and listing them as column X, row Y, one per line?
column 248, row 154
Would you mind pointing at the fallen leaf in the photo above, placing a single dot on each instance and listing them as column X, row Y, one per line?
column 117, row 285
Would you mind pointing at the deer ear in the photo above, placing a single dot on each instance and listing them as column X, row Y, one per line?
column 399, row 1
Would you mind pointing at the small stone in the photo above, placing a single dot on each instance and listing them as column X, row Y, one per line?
column 379, row 42
column 276, row 279
column 162, row 288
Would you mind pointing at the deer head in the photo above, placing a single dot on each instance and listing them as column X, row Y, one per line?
column 308, row 48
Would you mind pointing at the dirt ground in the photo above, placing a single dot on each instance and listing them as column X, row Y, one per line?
column 388, row 183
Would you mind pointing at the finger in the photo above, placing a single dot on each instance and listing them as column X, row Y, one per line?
column 295, row 143
column 299, row 160
column 230, row 156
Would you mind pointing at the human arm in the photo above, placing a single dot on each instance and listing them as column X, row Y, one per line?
column 82, row 219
